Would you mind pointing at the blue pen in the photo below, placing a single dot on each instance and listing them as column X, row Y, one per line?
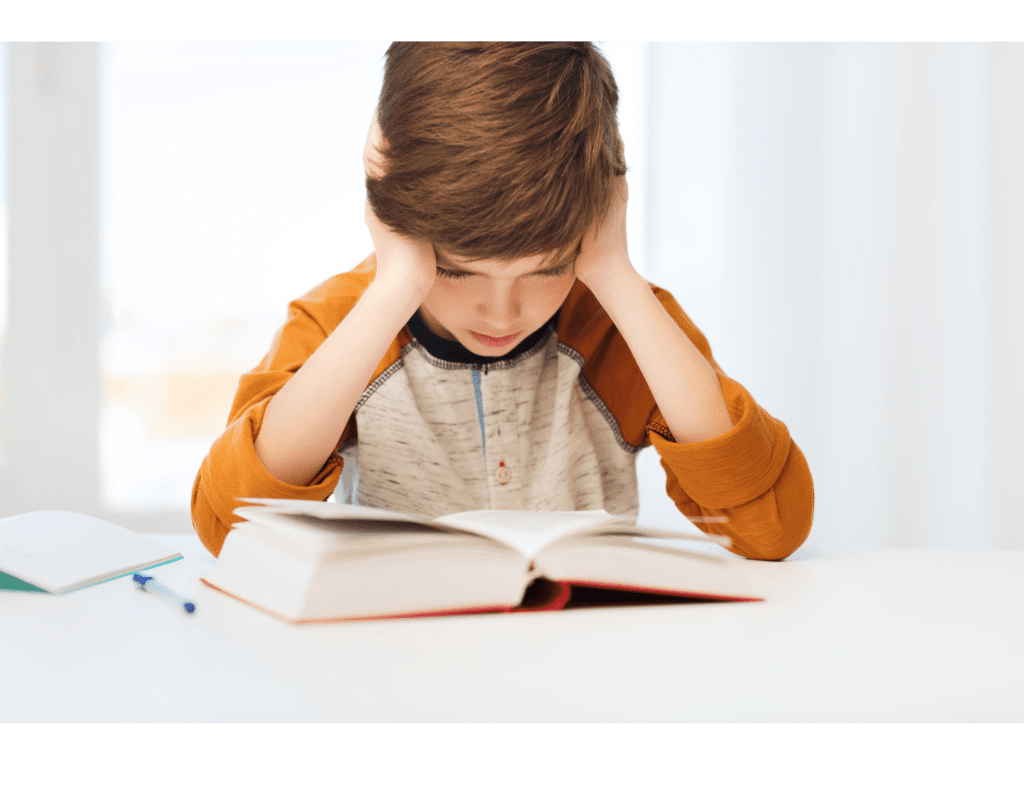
column 150, row 584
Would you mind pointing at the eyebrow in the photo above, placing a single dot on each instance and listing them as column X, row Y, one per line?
column 445, row 263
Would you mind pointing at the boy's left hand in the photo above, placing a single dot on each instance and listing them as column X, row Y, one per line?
column 603, row 251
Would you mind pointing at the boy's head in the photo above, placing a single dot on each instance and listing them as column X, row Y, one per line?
column 496, row 151
column 499, row 154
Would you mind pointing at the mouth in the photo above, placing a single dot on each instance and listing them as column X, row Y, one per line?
column 492, row 341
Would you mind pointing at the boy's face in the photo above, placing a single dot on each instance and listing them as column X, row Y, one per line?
column 490, row 306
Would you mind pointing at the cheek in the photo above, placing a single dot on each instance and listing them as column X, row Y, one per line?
column 453, row 303
column 548, row 295
column 445, row 296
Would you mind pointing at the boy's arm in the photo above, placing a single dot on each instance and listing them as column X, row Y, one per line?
column 232, row 469
column 683, row 383
column 731, row 467
column 286, row 437
column 305, row 418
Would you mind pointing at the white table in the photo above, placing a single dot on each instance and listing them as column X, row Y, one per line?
column 889, row 635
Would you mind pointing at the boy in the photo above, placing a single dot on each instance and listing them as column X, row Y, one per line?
column 498, row 350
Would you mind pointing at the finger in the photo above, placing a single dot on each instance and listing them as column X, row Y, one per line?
column 372, row 158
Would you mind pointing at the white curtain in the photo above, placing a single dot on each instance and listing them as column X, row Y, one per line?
column 845, row 222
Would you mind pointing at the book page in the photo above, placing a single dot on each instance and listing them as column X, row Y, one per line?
column 621, row 562
column 531, row 531
column 327, row 509
column 527, row 532
column 302, row 532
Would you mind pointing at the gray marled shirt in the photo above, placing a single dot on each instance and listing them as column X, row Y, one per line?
column 448, row 431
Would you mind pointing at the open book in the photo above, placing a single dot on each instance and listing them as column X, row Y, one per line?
column 323, row 561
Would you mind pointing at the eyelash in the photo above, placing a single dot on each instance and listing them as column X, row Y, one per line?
column 451, row 274
column 562, row 270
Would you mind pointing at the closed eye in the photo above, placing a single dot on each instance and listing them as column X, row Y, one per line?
column 451, row 274
column 564, row 269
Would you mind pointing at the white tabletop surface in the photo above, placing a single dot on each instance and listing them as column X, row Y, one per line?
column 881, row 636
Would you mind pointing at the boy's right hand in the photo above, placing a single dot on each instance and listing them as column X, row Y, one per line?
column 407, row 264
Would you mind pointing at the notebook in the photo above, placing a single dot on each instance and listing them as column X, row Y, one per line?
column 61, row 551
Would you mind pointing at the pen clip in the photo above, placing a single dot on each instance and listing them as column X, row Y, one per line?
column 140, row 580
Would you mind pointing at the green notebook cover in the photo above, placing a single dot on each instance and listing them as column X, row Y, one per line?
column 9, row 583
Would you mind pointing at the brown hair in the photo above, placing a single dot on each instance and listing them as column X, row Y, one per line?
column 496, row 150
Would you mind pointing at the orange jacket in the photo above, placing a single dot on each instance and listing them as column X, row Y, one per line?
column 751, row 484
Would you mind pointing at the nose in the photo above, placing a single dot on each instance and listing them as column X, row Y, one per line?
column 501, row 305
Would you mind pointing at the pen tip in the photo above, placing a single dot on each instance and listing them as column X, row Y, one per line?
column 189, row 607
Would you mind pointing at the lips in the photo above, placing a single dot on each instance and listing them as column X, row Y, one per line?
column 490, row 340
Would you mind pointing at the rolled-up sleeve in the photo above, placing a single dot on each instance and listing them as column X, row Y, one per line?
column 233, row 469
column 751, row 484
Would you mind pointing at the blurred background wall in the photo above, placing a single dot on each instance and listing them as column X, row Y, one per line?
column 842, row 221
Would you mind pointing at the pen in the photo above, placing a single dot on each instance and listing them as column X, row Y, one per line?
column 149, row 583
